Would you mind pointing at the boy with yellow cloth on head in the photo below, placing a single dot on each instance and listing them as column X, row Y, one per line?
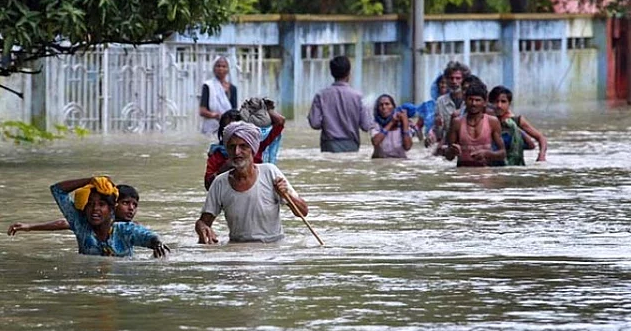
column 90, row 218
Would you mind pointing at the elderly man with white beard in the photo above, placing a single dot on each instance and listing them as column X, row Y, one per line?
column 250, row 195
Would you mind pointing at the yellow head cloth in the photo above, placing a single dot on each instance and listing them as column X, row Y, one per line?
column 102, row 185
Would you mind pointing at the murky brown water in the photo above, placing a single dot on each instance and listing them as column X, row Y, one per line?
column 414, row 244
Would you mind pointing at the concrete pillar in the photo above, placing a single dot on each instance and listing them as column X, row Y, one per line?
column 510, row 54
column 291, row 67
column 601, row 38
column 418, row 14
column 357, row 71
column 37, row 94
column 407, row 61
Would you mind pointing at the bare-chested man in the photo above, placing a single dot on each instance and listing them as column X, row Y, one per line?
column 472, row 136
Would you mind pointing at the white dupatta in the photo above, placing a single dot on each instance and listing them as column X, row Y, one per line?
column 217, row 101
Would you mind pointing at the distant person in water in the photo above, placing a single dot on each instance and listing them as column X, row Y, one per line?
column 338, row 111
column 512, row 125
column 218, row 96
column 125, row 211
column 390, row 132
column 93, row 227
column 250, row 195
column 451, row 103
column 426, row 112
column 471, row 137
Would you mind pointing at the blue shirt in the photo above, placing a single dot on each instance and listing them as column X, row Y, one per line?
column 123, row 235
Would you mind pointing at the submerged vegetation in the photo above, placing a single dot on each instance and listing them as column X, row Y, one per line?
column 23, row 133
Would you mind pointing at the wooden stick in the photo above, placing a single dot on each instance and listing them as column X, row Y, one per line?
column 293, row 207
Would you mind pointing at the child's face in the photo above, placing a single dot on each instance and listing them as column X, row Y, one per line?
column 126, row 209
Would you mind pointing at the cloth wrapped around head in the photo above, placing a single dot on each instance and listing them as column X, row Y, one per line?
column 254, row 110
column 102, row 185
column 246, row 131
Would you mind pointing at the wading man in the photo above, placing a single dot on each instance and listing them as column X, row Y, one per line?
column 250, row 195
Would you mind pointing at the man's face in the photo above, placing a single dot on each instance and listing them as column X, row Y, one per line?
column 239, row 153
column 454, row 80
column 475, row 104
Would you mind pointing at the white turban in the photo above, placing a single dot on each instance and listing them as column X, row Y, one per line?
column 246, row 131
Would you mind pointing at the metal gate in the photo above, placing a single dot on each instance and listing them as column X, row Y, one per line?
column 148, row 88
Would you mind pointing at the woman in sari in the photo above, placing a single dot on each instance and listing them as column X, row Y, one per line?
column 218, row 96
column 391, row 136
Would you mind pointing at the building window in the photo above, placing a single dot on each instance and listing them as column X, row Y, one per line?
column 485, row 46
column 539, row 45
column 444, row 47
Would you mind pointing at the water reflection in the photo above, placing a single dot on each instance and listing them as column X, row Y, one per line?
column 411, row 244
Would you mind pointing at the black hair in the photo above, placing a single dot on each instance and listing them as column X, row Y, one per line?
column 228, row 117
column 497, row 91
column 126, row 191
column 453, row 66
column 109, row 199
column 376, row 108
column 340, row 67
column 472, row 79
column 478, row 90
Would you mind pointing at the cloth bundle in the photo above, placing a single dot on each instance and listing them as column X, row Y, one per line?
column 254, row 110
column 102, row 185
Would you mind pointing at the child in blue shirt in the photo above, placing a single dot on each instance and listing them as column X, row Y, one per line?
column 125, row 211
column 93, row 227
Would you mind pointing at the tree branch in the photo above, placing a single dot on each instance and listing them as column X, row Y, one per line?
column 19, row 94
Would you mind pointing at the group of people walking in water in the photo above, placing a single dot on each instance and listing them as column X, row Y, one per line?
column 462, row 121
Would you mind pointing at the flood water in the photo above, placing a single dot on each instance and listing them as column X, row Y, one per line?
column 410, row 244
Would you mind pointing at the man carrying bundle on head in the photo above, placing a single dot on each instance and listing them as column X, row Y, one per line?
column 250, row 195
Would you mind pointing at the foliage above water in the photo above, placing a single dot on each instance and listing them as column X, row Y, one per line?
column 23, row 133
column 377, row 7
column 30, row 30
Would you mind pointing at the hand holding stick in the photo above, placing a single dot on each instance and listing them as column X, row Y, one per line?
column 297, row 211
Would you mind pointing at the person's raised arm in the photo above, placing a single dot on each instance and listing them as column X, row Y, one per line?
column 405, row 131
column 315, row 114
column 538, row 136
column 204, row 230
column 380, row 135
column 60, row 224
column 73, row 184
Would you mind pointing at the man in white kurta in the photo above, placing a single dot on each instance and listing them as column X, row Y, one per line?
column 253, row 215
column 250, row 195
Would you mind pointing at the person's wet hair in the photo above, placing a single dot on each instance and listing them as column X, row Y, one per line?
column 477, row 90
column 228, row 117
column 472, row 79
column 376, row 108
column 126, row 191
column 340, row 67
column 109, row 199
column 495, row 93
column 453, row 66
